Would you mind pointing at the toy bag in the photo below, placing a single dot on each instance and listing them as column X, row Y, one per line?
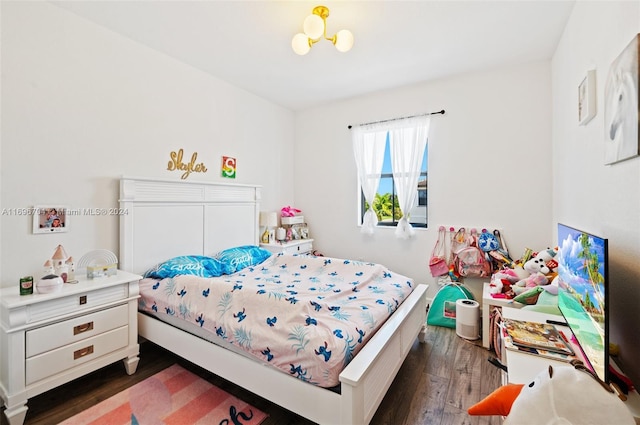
column 471, row 261
column 442, row 311
column 460, row 241
column 438, row 263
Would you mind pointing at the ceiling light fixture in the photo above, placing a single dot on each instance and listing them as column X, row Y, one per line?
column 315, row 28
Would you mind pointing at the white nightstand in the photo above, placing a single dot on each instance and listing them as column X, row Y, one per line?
column 299, row 246
column 50, row 339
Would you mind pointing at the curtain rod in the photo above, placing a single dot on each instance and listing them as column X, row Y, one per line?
column 401, row 118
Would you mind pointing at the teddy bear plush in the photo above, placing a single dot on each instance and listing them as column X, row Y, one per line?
column 562, row 395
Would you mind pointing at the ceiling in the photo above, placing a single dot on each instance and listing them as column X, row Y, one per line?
column 397, row 43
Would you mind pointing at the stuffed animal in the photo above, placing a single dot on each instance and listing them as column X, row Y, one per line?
column 543, row 262
column 496, row 286
column 557, row 396
column 534, row 279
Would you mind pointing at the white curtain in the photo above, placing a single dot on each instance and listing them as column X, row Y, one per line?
column 408, row 141
column 368, row 148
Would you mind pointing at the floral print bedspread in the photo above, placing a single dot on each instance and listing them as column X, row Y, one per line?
column 306, row 315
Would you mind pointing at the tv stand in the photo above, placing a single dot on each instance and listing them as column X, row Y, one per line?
column 523, row 368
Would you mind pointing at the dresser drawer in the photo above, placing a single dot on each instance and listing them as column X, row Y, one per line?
column 62, row 333
column 55, row 361
column 76, row 303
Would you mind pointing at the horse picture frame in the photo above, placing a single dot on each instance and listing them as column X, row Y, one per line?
column 621, row 124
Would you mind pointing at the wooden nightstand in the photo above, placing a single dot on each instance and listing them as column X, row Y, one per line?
column 299, row 246
column 50, row 339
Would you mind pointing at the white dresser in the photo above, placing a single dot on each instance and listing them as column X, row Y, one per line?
column 299, row 246
column 49, row 339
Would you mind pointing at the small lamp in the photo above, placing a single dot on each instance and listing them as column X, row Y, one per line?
column 269, row 220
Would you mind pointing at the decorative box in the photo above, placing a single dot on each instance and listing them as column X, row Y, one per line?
column 288, row 221
column 102, row 270
column 48, row 284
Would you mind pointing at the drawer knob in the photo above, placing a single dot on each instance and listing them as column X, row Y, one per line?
column 83, row 328
column 83, row 299
column 82, row 352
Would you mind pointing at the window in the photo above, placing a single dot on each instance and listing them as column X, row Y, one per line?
column 392, row 191
column 386, row 204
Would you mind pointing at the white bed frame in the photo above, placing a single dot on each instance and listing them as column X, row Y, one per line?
column 161, row 219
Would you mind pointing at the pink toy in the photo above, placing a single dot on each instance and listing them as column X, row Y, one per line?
column 536, row 279
column 289, row 211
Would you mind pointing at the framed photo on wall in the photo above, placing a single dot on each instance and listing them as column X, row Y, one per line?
column 50, row 219
column 587, row 98
column 621, row 92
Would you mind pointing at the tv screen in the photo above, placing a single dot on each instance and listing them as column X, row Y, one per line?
column 582, row 293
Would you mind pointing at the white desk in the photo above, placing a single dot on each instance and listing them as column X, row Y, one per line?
column 487, row 302
column 523, row 368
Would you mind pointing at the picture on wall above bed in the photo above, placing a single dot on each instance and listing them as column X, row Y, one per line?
column 621, row 106
column 50, row 219
column 228, row 167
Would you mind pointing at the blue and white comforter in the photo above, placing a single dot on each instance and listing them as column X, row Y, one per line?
column 308, row 316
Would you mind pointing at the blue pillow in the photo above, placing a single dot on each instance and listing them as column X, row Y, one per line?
column 238, row 258
column 195, row 265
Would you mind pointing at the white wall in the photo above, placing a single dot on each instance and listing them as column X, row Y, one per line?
column 591, row 196
column 82, row 106
column 489, row 165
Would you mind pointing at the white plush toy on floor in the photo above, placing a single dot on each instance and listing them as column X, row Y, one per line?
column 558, row 396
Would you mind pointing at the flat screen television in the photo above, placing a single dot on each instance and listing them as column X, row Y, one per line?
column 583, row 293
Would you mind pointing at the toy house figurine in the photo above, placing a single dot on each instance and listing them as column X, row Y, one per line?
column 71, row 272
column 60, row 263
column 48, row 268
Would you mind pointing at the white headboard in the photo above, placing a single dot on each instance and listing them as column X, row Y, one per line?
column 161, row 219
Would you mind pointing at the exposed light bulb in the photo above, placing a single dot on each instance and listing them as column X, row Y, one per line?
column 313, row 26
column 300, row 44
column 344, row 40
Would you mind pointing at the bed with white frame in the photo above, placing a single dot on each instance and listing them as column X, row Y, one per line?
column 164, row 218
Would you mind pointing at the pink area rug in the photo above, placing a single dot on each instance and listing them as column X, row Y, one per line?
column 172, row 396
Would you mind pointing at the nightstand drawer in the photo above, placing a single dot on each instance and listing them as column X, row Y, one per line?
column 55, row 361
column 60, row 334
column 77, row 303
column 301, row 248
column 298, row 246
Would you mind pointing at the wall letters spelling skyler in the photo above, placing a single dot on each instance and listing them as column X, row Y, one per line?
column 177, row 164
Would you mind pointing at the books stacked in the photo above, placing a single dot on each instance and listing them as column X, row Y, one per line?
column 542, row 339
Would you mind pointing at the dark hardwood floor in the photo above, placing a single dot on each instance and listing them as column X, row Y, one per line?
column 437, row 383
